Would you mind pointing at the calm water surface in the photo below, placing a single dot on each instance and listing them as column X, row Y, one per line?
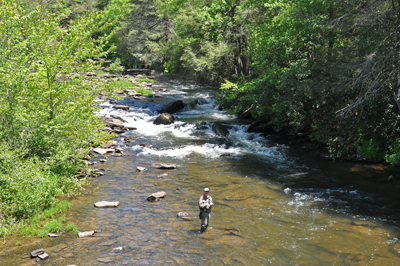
column 273, row 206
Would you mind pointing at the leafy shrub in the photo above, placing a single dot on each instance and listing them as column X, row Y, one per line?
column 115, row 67
column 372, row 149
column 394, row 156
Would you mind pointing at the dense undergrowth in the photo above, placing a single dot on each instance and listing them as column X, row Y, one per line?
column 47, row 121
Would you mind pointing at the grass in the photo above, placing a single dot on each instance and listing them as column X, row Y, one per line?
column 144, row 80
column 126, row 84
column 100, row 72
column 43, row 224
column 145, row 92
column 122, row 84
column 71, row 227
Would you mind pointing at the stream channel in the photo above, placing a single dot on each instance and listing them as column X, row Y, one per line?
column 273, row 205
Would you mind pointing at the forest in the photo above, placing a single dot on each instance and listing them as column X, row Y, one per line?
column 328, row 70
column 325, row 70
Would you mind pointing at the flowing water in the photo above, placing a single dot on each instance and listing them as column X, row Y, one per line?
column 272, row 205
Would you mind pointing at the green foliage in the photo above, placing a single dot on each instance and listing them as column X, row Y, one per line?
column 115, row 67
column 46, row 108
column 71, row 227
column 372, row 149
column 393, row 156
column 169, row 67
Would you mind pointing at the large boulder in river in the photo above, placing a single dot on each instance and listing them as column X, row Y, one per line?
column 164, row 119
column 220, row 129
column 172, row 107
column 260, row 127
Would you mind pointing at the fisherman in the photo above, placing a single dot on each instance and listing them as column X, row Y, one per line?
column 205, row 205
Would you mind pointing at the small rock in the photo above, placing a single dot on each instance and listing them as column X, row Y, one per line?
column 140, row 169
column 121, row 107
column 119, row 130
column 103, row 151
column 157, row 95
column 37, row 252
column 201, row 125
column 43, row 256
column 118, row 249
column 85, row 234
column 163, row 165
column 117, row 154
column 120, row 150
column 157, row 196
column 164, row 119
column 163, row 175
column 106, row 204
column 103, row 160
column 118, row 118
column 53, row 235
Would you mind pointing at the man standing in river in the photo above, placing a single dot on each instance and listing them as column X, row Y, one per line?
column 205, row 205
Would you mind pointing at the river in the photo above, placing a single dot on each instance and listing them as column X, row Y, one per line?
column 274, row 204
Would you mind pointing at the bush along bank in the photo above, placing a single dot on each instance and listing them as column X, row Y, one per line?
column 47, row 105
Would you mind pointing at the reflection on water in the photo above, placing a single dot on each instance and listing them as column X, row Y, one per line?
column 269, row 207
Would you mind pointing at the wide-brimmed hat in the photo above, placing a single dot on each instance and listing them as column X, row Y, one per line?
column 206, row 189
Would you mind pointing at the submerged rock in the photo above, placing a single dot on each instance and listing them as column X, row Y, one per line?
column 186, row 216
column 201, row 125
column 163, row 165
column 156, row 196
column 220, row 129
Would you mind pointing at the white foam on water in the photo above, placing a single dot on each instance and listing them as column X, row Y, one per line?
column 207, row 150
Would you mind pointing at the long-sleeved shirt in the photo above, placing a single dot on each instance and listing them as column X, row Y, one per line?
column 205, row 204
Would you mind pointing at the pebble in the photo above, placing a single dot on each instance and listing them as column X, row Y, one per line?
column 43, row 256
